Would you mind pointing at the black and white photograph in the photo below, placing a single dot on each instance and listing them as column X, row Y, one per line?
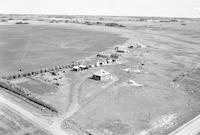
column 99, row 67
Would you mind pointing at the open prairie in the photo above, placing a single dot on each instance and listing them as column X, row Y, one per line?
column 154, row 87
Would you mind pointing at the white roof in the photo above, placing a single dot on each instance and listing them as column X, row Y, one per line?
column 82, row 66
column 76, row 67
column 101, row 72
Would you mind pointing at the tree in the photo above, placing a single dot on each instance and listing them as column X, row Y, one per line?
column 19, row 75
column 9, row 77
column 54, row 68
column 14, row 77
column 32, row 73
column 29, row 73
column 37, row 72
column 57, row 67
column 41, row 71
column 24, row 74
column 3, row 77
column 49, row 69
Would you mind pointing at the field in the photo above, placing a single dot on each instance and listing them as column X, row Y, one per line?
column 37, row 46
column 154, row 87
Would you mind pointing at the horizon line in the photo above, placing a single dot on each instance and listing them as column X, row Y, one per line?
column 179, row 17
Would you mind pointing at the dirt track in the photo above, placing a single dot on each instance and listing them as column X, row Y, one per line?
column 54, row 129
column 190, row 128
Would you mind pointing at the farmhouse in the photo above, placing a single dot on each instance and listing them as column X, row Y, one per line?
column 102, row 75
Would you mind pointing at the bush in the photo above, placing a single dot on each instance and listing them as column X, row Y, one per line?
column 33, row 73
column 88, row 23
column 21, row 23
column 9, row 77
column 114, row 25
column 98, row 23
column 25, row 19
column 101, row 18
column 41, row 70
column 183, row 24
column 24, row 74
column 4, row 20
column 121, row 25
column 4, row 77
column 10, row 19
column 19, row 75
column 29, row 73
column 57, row 67
column 40, row 20
column 14, row 77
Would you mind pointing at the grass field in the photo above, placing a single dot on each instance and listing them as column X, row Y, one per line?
column 49, row 92
column 36, row 46
column 38, row 87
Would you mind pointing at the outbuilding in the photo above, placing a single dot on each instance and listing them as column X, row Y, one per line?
column 109, row 61
column 102, row 75
column 97, row 64
column 76, row 68
column 122, row 51
column 82, row 67
column 115, row 56
column 102, row 62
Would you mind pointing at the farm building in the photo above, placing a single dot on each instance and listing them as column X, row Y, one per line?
column 82, row 67
column 76, row 68
column 122, row 51
column 103, row 62
column 97, row 64
column 109, row 61
column 115, row 56
column 91, row 66
column 102, row 75
column 54, row 73
column 102, row 55
column 79, row 68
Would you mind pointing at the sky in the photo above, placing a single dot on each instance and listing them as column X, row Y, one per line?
column 163, row 8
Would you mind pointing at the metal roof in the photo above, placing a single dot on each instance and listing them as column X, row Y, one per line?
column 82, row 66
column 76, row 67
column 101, row 72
